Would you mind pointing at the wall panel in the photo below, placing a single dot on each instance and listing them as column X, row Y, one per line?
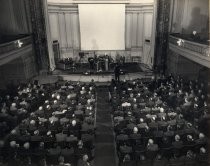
column 128, row 30
column 75, row 26
column 62, row 30
column 134, row 30
column 68, row 30
column 147, row 25
column 140, row 30
column 54, row 26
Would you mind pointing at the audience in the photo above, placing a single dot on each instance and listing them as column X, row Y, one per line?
column 162, row 119
column 52, row 124
column 155, row 121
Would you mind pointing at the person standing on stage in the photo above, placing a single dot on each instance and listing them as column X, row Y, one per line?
column 117, row 72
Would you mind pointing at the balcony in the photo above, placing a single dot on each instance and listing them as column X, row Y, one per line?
column 17, row 60
column 195, row 48
column 12, row 47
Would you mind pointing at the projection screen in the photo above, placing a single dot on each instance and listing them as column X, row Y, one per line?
column 102, row 26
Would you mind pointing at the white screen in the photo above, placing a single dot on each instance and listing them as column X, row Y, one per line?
column 102, row 26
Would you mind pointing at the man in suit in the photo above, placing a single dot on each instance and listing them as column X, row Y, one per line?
column 84, row 161
column 117, row 72
column 177, row 146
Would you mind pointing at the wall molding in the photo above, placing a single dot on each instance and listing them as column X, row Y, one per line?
column 73, row 8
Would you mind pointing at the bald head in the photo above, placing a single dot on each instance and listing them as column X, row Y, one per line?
column 26, row 145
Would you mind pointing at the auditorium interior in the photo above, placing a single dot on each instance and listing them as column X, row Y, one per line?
column 104, row 83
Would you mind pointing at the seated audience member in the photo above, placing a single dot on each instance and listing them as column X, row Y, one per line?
column 84, row 161
column 61, row 162
column 177, row 145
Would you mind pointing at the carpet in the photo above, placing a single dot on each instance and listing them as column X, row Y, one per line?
column 104, row 143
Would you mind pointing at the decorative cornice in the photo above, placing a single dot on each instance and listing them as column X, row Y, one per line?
column 73, row 8
column 101, row 1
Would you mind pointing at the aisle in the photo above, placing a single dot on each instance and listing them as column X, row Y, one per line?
column 104, row 146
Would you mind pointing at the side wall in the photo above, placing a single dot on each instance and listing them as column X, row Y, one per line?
column 189, row 16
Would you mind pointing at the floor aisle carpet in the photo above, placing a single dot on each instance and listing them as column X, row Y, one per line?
column 104, row 145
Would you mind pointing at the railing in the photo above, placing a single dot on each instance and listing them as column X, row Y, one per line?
column 15, row 45
column 202, row 49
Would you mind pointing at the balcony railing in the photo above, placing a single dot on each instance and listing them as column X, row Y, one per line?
column 202, row 49
column 196, row 51
column 15, row 44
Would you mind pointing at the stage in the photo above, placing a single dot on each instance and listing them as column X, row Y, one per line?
column 131, row 71
column 81, row 68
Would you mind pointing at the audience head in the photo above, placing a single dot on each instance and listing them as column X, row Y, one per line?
column 190, row 154
column 48, row 107
column 135, row 130
column 69, row 96
column 1, row 143
column 189, row 138
column 13, row 104
column 32, row 122
column 150, row 142
column 61, row 160
column 14, row 132
column 80, row 144
column 13, row 144
column 159, row 157
column 74, row 122
column 165, row 139
column 46, row 102
column 49, row 133
column 85, row 157
column 142, row 157
column 162, row 110
column 177, row 138
column 163, row 118
column 201, row 136
column 127, row 157
column 53, row 95
column 26, row 145
column 131, row 95
column 141, row 120
column 169, row 128
column 41, row 144
column 58, row 97
column 36, row 132
column 189, row 125
column 202, row 150
column 146, row 128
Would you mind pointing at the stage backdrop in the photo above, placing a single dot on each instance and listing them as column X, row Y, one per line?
column 139, row 31
column 102, row 26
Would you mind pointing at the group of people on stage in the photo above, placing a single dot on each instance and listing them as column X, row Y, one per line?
column 100, row 63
